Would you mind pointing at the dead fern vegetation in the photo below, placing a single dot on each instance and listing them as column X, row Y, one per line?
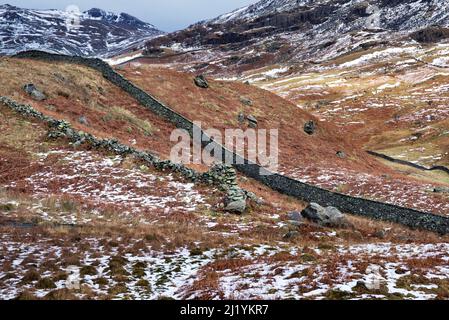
column 65, row 207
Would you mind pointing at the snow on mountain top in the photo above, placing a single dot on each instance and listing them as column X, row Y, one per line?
column 94, row 32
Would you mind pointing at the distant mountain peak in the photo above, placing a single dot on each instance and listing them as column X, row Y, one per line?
column 97, row 33
column 7, row 6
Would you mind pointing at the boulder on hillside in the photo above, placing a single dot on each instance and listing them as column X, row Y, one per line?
column 34, row 92
column 294, row 216
column 341, row 154
column 83, row 120
column 237, row 206
column 327, row 217
column 310, row 127
column 252, row 121
column 441, row 190
column 201, row 82
column 295, row 219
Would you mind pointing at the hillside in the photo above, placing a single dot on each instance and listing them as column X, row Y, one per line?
column 310, row 158
column 372, row 73
column 91, row 33
column 290, row 31
column 131, row 230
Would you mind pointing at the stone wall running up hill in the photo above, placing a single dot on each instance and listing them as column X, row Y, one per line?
column 358, row 206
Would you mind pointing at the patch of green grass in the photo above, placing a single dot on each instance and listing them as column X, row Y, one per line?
column 68, row 205
column 7, row 207
column 211, row 106
column 121, row 114
column 162, row 280
column 88, row 271
column 339, row 295
column 60, row 276
column 45, row 283
column 325, row 246
column 143, row 283
column 307, row 257
column 26, row 295
column 196, row 252
column 102, row 281
column 118, row 289
column 31, row 276
column 139, row 269
column 116, row 266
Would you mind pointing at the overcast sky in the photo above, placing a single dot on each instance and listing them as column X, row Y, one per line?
column 167, row 15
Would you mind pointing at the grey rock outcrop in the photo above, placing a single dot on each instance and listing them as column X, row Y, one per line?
column 252, row 121
column 310, row 127
column 238, row 206
column 34, row 92
column 341, row 154
column 201, row 82
column 326, row 217
column 441, row 190
column 295, row 216
column 83, row 120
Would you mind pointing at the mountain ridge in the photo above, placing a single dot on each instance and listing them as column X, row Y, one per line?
column 94, row 32
column 303, row 30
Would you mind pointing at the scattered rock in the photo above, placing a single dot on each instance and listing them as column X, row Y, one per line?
column 246, row 101
column 441, row 190
column 295, row 216
column 238, row 206
column 252, row 121
column 253, row 197
column 241, row 118
column 326, row 217
column 46, row 283
column 291, row 235
column 341, row 154
column 201, row 82
column 34, row 92
column 380, row 234
column 83, row 120
column 310, row 127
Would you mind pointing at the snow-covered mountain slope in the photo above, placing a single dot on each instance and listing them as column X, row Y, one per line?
column 292, row 31
column 261, row 8
column 91, row 33
column 391, row 14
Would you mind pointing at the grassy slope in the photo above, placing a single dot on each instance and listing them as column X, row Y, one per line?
column 311, row 159
column 125, row 250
